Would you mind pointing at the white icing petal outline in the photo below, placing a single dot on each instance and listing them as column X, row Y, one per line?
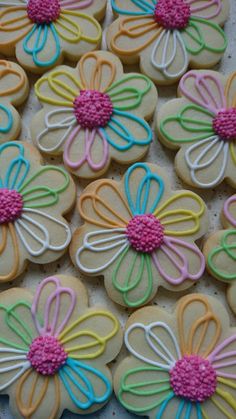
column 150, row 337
column 21, row 366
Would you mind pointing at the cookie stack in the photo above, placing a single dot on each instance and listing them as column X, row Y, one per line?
column 87, row 116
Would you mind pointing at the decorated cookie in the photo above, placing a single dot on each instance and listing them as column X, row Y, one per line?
column 140, row 235
column 93, row 114
column 54, row 350
column 180, row 365
column 220, row 251
column 202, row 124
column 167, row 36
column 33, row 199
column 14, row 90
column 41, row 33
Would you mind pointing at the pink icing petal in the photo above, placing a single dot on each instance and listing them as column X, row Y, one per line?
column 52, row 328
column 181, row 262
column 219, row 355
column 75, row 4
column 205, row 98
column 207, row 4
column 227, row 212
column 90, row 138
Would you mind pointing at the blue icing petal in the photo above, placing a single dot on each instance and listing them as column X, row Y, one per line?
column 164, row 405
column 41, row 42
column 9, row 124
column 119, row 128
column 68, row 374
column 143, row 192
column 18, row 168
column 145, row 8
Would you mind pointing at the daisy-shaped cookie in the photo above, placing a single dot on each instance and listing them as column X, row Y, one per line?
column 42, row 32
column 93, row 114
column 181, row 365
column 220, row 251
column 54, row 350
column 202, row 124
column 166, row 36
column 140, row 235
column 33, row 199
column 14, row 88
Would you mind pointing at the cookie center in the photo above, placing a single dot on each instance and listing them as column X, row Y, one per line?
column 145, row 233
column 93, row 109
column 43, row 11
column 11, row 205
column 172, row 14
column 193, row 378
column 46, row 355
column 224, row 124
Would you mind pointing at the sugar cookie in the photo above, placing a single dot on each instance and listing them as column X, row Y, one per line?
column 33, row 199
column 140, row 235
column 202, row 124
column 220, row 251
column 180, row 365
column 41, row 33
column 167, row 36
column 54, row 349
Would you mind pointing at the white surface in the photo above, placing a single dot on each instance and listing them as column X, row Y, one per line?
column 158, row 154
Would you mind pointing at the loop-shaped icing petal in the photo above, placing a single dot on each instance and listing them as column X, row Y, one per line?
column 97, row 76
column 206, row 9
column 18, row 168
column 18, row 79
column 133, row 7
column 193, row 326
column 150, row 187
column 223, row 358
column 222, row 258
column 13, row 28
column 76, row 375
column 75, row 4
column 229, row 210
column 52, row 321
column 6, row 119
column 12, row 366
column 9, row 254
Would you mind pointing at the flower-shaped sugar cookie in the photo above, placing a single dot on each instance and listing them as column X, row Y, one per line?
column 220, row 251
column 140, row 235
column 93, row 114
column 202, row 123
column 33, row 199
column 166, row 36
column 181, row 365
column 54, row 350
column 42, row 32
column 14, row 88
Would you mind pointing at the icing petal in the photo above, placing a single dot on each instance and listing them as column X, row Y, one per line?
column 139, row 198
column 178, row 254
column 75, row 4
column 133, row 7
column 164, row 60
column 207, row 9
column 222, row 258
column 223, row 401
column 75, row 145
column 229, row 210
column 124, row 130
column 96, row 73
column 110, row 244
column 204, row 90
column 13, row 364
column 153, row 350
column 18, row 80
column 83, row 340
column 9, row 253
column 193, row 326
column 78, row 375
column 130, row 281
column 18, row 168
column 230, row 91
column 55, row 316
column 6, row 119
column 35, row 230
column 68, row 28
column 12, row 28
column 183, row 408
column 223, row 358
column 181, row 214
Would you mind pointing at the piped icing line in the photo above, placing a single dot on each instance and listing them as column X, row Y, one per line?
column 5, row 128
column 227, row 212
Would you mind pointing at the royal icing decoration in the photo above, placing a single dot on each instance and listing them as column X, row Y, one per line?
column 171, row 32
column 207, row 127
column 46, row 29
column 10, row 96
column 27, row 210
column 60, row 350
column 152, row 232
column 94, row 112
column 187, row 371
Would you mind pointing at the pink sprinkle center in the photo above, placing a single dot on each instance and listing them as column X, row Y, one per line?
column 46, row 355
column 224, row 124
column 93, row 109
column 43, row 11
column 172, row 14
column 11, row 205
column 145, row 233
column 193, row 378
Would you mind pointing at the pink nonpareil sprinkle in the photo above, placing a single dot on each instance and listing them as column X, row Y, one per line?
column 11, row 205
column 145, row 233
column 92, row 109
column 172, row 14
